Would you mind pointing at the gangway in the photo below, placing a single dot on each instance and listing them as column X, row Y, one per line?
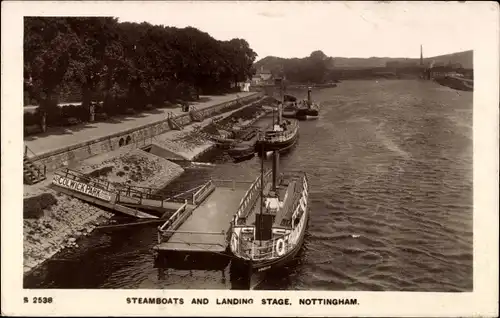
column 206, row 228
column 123, row 198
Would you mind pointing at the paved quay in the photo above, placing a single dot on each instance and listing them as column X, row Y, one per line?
column 61, row 137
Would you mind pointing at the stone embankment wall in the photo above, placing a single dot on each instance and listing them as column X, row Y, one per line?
column 52, row 229
column 58, row 228
column 137, row 137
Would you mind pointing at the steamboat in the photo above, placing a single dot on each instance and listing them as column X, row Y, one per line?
column 268, row 228
column 307, row 109
column 283, row 133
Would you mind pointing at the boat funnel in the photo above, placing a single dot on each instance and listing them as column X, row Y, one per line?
column 309, row 101
column 276, row 157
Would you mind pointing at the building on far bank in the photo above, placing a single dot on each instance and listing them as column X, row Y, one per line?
column 262, row 77
column 244, row 86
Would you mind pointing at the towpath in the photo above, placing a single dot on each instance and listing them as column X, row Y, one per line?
column 61, row 137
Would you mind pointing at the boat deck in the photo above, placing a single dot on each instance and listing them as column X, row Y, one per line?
column 205, row 230
column 286, row 188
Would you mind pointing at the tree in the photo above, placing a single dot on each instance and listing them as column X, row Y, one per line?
column 100, row 54
column 127, row 63
column 49, row 47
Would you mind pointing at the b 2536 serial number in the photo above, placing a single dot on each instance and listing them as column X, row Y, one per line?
column 38, row 300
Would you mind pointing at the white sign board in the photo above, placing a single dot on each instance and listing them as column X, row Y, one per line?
column 81, row 187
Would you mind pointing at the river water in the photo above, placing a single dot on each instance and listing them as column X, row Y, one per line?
column 390, row 167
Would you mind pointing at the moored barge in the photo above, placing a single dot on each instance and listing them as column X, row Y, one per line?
column 307, row 109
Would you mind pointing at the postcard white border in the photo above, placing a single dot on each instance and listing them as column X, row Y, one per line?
column 484, row 23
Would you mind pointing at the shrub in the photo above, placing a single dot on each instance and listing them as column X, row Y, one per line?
column 33, row 207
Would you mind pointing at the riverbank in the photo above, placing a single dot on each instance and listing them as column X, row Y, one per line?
column 50, row 228
column 462, row 84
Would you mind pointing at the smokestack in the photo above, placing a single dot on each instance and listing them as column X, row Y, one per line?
column 421, row 55
column 276, row 158
column 309, row 96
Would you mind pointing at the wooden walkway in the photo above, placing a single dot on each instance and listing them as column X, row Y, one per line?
column 207, row 226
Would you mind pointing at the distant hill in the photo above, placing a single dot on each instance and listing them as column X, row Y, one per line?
column 275, row 64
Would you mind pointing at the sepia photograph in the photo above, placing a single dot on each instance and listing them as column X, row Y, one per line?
column 237, row 146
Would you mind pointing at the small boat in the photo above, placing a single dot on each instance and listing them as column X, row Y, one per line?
column 244, row 148
column 268, row 229
column 307, row 109
column 220, row 141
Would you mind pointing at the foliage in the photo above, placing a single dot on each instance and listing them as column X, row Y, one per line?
column 126, row 64
column 313, row 69
column 318, row 68
column 33, row 207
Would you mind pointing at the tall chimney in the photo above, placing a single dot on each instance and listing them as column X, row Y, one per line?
column 421, row 55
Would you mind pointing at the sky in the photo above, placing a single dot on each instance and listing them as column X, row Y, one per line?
column 339, row 29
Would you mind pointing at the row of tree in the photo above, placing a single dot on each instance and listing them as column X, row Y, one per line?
column 312, row 69
column 126, row 64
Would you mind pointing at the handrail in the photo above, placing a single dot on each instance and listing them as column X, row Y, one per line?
column 253, row 250
column 37, row 168
column 195, row 232
column 184, row 193
column 248, row 199
column 26, row 149
column 202, row 190
column 174, row 217
column 163, row 228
